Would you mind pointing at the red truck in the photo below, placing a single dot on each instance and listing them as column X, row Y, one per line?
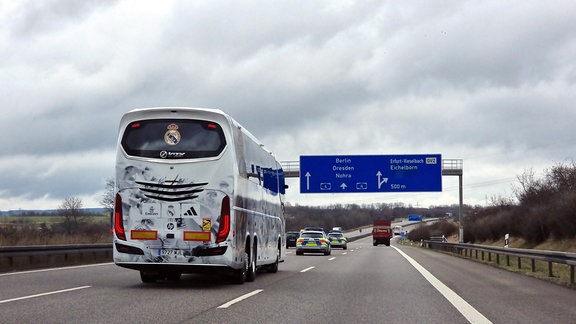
column 381, row 232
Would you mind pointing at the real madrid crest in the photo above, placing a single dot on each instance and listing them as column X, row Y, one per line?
column 172, row 136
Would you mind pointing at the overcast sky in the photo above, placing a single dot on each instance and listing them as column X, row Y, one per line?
column 489, row 82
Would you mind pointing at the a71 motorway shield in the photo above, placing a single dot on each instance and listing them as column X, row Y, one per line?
column 370, row 173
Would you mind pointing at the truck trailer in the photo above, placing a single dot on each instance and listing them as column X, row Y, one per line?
column 381, row 232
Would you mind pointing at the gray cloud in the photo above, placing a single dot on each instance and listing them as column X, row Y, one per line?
column 489, row 83
column 30, row 18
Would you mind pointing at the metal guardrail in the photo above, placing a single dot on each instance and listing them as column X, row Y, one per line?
column 40, row 256
column 439, row 239
column 32, row 250
column 486, row 252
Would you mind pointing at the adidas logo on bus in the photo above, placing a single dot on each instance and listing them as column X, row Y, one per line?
column 191, row 212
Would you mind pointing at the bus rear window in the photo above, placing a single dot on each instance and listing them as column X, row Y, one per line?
column 173, row 139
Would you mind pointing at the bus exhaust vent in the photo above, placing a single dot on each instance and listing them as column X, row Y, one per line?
column 171, row 192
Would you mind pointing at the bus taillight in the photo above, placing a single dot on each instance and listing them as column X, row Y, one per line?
column 224, row 228
column 118, row 221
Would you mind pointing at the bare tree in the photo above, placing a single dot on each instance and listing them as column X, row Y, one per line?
column 501, row 201
column 532, row 190
column 108, row 197
column 527, row 181
column 562, row 177
column 71, row 210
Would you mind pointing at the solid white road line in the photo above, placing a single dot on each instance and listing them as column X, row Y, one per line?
column 471, row 314
column 241, row 298
column 43, row 294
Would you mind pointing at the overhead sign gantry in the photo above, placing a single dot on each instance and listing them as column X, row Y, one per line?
column 370, row 173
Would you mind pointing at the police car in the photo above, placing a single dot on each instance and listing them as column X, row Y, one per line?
column 337, row 239
column 313, row 242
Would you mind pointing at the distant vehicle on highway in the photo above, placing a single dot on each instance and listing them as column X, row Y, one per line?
column 291, row 238
column 313, row 242
column 397, row 230
column 381, row 232
column 314, row 228
column 337, row 239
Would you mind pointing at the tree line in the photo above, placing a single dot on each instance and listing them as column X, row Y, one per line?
column 351, row 216
column 544, row 209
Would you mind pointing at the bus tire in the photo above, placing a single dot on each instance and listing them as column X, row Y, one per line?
column 251, row 273
column 273, row 268
column 241, row 274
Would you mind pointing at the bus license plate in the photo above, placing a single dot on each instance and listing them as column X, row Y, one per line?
column 171, row 252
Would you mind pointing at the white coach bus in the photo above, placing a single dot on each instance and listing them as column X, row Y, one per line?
column 195, row 192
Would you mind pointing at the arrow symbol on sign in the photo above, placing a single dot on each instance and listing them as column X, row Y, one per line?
column 343, row 186
column 307, row 180
column 381, row 180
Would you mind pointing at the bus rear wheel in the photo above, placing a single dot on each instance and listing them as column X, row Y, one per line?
column 273, row 268
column 241, row 274
column 251, row 275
